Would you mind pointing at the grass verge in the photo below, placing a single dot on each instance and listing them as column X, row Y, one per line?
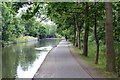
column 20, row 39
column 101, row 66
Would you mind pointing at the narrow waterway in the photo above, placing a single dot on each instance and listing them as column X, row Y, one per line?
column 23, row 60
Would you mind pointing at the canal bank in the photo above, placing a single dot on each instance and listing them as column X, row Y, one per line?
column 24, row 58
column 30, row 40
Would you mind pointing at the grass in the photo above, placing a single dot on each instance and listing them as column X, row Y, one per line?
column 20, row 39
column 23, row 39
column 100, row 67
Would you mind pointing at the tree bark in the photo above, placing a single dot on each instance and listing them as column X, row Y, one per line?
column 96, row 38
column 79, row 45
column 78, row 32
column 118, row 58
column 74, row 34
column 110, row 54
column 85, row 49
column 76, row 44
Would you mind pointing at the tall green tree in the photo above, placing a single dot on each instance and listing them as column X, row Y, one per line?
column 11, row 25
column 85, row 49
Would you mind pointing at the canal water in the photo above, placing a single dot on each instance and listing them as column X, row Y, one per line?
column 23, row 60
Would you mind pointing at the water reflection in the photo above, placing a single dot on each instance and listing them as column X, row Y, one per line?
column 22, row 59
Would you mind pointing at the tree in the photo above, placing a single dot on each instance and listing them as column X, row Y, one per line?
column 110, row 54
column 12, row 27
column 85, row 49
column 74, row 43
column 96, row 37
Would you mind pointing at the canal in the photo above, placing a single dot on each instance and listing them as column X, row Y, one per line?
column 23, row 60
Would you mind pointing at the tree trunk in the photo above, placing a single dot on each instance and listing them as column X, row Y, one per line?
column 79, row 45
column 110, row 54
column 74, row 34
column 118, row 59
column 78, row 32
column 85, row 49
column 76, row 44
column 96, row 38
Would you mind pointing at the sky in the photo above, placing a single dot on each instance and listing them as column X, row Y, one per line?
column 48, row 22
column 23, row 9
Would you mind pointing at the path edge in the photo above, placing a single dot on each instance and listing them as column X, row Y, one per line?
column 45, row 59
column 92, row 72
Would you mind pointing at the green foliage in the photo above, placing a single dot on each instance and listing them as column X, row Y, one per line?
column 14, row 26
column 117, row 51
column 64, row 16
column 37, row 9
column 102, row 60
column 23, row 39
column 17, row 5
column 32, row 28
column 58, row 14
column 116, row 21
column 11, row 25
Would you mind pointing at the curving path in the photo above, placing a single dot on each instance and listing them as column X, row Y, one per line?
column 60, row 63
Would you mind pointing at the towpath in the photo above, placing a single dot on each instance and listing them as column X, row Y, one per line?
column 61, row 62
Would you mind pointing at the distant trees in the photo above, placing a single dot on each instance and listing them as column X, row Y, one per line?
column 32, row 28
column 13, row 26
